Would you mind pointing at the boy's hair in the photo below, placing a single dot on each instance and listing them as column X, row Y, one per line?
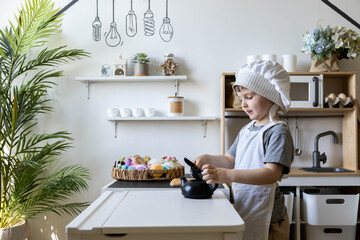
column 268, row 79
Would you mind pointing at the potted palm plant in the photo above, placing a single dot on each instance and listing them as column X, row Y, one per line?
column 141, row 66
column 28, row 184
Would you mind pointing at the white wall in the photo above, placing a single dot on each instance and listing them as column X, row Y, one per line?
column 211, row 37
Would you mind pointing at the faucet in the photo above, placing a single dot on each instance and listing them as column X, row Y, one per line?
column 317, row 158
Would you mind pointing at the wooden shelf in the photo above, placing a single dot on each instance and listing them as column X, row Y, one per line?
column 317, row 110
column 337, row 74
column 326, row 74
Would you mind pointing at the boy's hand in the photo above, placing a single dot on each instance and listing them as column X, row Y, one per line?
column 200, row 161
column 213, row 174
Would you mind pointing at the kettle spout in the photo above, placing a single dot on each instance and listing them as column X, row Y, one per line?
column 183, row 180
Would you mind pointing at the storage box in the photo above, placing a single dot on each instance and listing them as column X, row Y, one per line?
column 330, row 210
column 289, row 203
column 330, row 232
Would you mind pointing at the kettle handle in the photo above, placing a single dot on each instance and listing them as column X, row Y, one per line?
column 215, row 187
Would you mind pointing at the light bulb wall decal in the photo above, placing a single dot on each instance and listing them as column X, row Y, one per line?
column 149, row 22
column 97, row 25
column 131, row 22
column 166, row 30
column 113, row 37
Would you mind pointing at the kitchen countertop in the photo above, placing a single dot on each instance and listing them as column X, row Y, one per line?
column 163, row 213
column 297, row 172
column 298, row 177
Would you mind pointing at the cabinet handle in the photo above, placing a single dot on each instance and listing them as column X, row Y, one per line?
column 115, row 234
column 332, row 230
column 335, row 201
column 316, row 102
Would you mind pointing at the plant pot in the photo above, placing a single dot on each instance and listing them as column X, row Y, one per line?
column 19, row 231
column 141, row 69
column 325, row 65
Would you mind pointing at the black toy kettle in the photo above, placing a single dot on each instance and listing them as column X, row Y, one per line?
column 198, row 188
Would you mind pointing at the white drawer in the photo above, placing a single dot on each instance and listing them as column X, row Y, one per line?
column 330, row 210
column 330, row 232
column 289, row 203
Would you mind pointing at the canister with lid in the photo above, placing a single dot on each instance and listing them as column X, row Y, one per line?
column 176, row 106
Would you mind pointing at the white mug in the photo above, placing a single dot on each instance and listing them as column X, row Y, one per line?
column 125, row 112
column 137, row 112
column 251, row 58
column 113, row 112
column 269, row 57
column 289, row 62
column 149, row 112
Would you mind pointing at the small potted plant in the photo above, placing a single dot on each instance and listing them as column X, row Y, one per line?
column 141, row 66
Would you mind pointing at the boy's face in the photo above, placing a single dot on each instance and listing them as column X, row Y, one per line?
column 256, row 106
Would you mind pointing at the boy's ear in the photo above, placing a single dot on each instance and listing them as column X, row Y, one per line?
column 237, row 88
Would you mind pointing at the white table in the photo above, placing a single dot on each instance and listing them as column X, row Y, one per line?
column 160, row 215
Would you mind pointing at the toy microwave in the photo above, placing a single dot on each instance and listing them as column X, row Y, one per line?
column 306, row 91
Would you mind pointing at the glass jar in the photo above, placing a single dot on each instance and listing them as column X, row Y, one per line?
column 168, row 66
column 176, row 106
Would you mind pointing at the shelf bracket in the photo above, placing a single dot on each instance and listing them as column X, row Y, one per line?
column 203, row 124
column 176, row 87
column 115, row 129
column 88, row 83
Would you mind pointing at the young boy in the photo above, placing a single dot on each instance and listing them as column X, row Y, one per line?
column 261, row 153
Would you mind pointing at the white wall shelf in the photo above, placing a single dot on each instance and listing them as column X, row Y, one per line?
column 113, row 79
column 202, row 119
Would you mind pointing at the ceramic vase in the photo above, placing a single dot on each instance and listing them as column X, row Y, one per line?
column 141, row 69
column 19, row 231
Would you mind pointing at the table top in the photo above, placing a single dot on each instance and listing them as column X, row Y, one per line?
column 156, row 211
column 169, row 211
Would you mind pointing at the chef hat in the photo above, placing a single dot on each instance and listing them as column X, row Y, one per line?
column 268, row 79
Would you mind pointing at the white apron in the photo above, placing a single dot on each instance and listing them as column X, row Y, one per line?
column 254, row 203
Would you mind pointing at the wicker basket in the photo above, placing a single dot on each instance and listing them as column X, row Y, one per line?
column 146, row 175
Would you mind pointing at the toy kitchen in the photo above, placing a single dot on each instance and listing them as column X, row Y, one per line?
column 321, row 177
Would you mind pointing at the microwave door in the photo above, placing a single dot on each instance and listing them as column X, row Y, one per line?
column 306, row 92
